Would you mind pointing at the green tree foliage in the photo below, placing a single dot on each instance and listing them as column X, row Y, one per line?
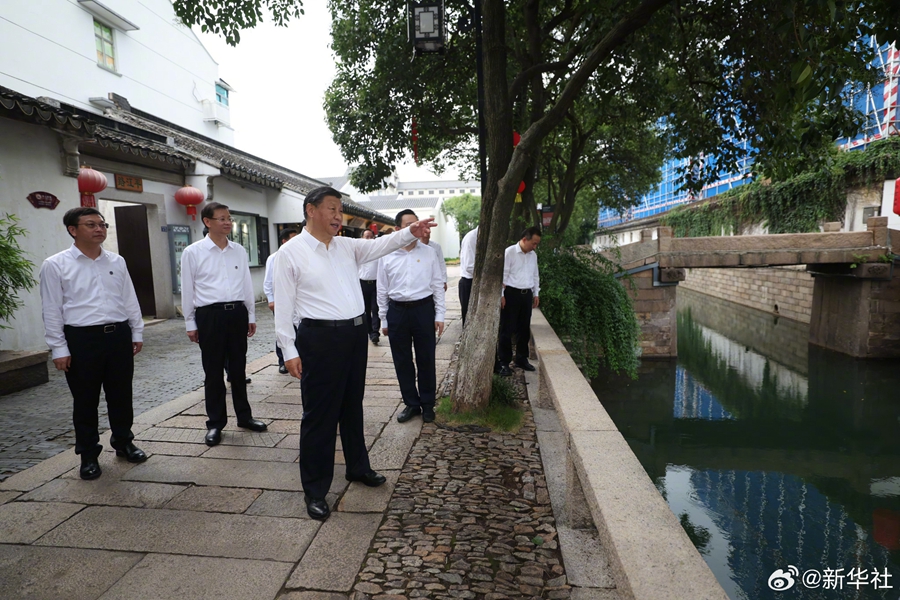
column 589, row 309
column 16, row 271
column 465, row 210
column 229, row 17
column 798, row 204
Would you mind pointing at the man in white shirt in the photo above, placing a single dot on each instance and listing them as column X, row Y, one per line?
column 440, row 252
column 368, row 273
column 521, row 291
column 411, row 304
column 269, row 290
column 317, row 279
column 220, row 314
column 467, row 269
column 93, row 326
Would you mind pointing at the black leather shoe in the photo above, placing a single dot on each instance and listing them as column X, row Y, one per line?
column 283, row 370
column 90, row 468
column 317, row 508
column 213, row 437
column 132, row 453
column 525, row 365
column 371, row 479
column 428, row 414
column 253, row 425
column 375, row 340
column 408, row 413
column 504, row 371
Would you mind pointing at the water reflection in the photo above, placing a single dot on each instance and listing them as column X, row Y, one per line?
column 770, row 462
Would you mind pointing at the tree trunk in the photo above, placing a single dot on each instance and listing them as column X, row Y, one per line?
column 477, row 352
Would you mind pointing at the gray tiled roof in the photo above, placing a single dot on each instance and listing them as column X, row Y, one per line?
column 381, row 203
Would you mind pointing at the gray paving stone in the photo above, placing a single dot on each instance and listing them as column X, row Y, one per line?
column 112, row 466
column 362, row 499
column 169, row 409
column 291, row 440
column 200, row 578
column 312, row 596
column 379, row 414
column 586, row 560
column 284, row 398
column 553, row 457
column 8, row 496
column 284, row 426
column 35, row 573
column 184, row 532
column 214, row 499
column 346, row 535
column 172, row 448
column 391, row 449
column 196, row 436
column 41, row 473
column 261, row 410
column 187, row 422
column 284, row 504
column 219, row 472
column 595, row 594
column 252, row 453
column 24, row 522
column 106, row 491
column 381, row 401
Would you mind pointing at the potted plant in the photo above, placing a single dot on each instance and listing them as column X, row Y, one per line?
column 18, row 370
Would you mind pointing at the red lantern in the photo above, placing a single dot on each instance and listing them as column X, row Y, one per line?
column 897, row 197
column 90, row 182
column 516, row 138
column 190, row 196
column 886, row 528
column 521, row 187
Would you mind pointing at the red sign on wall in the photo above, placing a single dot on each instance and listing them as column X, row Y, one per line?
column 43, row 200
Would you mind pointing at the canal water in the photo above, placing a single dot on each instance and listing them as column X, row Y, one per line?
column 781, row 460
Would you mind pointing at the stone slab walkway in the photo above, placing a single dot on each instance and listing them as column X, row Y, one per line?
column 461, row 516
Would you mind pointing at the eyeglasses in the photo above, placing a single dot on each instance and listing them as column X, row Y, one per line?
column 222, row 220
column 92, row 225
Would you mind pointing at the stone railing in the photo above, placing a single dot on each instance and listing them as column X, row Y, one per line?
column 651, row 556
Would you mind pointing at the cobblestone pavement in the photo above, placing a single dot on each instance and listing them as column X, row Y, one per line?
column 470, row 517
column 37, row 422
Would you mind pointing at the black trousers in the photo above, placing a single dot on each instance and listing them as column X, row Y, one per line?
column 334, row 363
column 370, row 300
column 223, row 334
column 408, row 327
column 100, row 360
column 515, row 319
column 465, row 292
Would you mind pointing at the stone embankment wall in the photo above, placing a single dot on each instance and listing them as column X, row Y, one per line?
column 790, row 289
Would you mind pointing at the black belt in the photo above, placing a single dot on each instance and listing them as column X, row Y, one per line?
column 223, row 306
column 369, row 280
column 355, row 322
column 108, row 328
column 413, row 302
column 509, row 287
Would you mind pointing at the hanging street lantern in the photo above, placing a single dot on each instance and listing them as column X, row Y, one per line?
column 897, row 197
column 516, row 138
column 90, row 182
column 191, row 197
column 427, row 30
column 519, row 193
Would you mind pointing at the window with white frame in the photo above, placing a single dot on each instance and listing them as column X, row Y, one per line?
column 221, row 95
column 106, row 52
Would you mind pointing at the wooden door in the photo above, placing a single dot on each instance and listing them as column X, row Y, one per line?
column 134, row 246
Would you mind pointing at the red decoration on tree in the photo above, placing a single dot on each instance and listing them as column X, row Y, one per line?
column 516, row 138
column 190, row 196
column 90, row 182
column 415, row 140
column 521, row 187
column 897, row 197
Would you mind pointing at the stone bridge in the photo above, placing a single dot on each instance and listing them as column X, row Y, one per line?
column 856, row 297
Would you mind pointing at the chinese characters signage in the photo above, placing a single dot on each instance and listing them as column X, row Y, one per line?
column 43, row 200
column 129, row 183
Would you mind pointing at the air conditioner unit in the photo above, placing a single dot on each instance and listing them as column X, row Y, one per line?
column 213, row 112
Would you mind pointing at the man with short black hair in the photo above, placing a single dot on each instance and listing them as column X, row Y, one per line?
column 521, row 291
column 411, row 304
column 219, row 310
column 93, row 326
column 269, row 290
column 317, row 279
